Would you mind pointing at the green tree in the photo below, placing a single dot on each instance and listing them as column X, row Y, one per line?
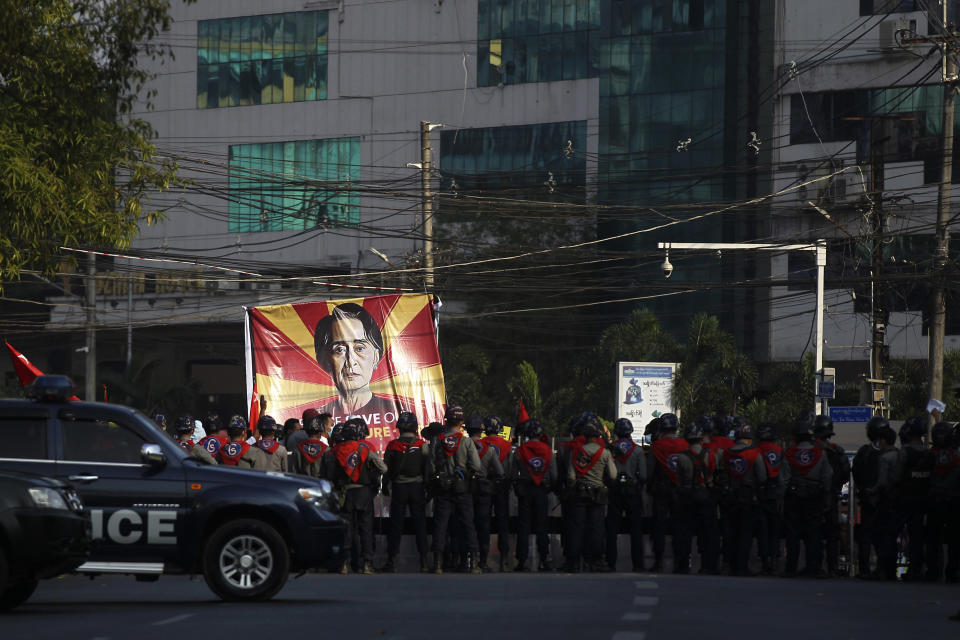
column 465, row 370
column 713, row 375
column 525, row 386
column 76, row 165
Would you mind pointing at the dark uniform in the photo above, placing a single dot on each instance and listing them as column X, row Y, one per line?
column 746, row 474
column 770, row 498
column 837, row 458
column 355, row 468
column 626, row 495
column 944, row 521
column 865, row 470
column 716, row 439
column 238, row 452
column 492, row 426
column 590, row 471
column 808, row 479
column 703, row 499
column 307, row 455
column 671, row 485
column 483, row 486
column 535, row 474
column 455, row 462
column 408, row 466
column 274, row 453
column 913, row 492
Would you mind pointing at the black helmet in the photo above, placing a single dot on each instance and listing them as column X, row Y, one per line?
column 706, row 424
column 533, row 429
column 875, row 427
column 574, row 426
column 803, row 429
column 161, row 420
column 694, row 432
column 653, row 428
column 915, row 427
column 184, row 424
column 766, row 431
column 823, row 427
column 336, row 434
column 669, row 423
column 942, row 435
column 590, row 425
column 622, row 427
column 211, row 423
column 266, row 424
column 725, row 425
column 237, row 426
column 407, row 422
column 351, row 430
column 453, row 415
column 888, row 434
column 312, row 425
column 743, row 431
column 474, row 424
column 492, row 425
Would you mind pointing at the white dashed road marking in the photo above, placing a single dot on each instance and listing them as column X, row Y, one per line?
column 179, row 618
column 629, row 635
column 639, row 616
column 646, row 584
column 645, row 601
column 636, row 616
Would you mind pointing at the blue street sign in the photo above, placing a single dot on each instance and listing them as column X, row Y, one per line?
column 851, row 414
column 825, row 389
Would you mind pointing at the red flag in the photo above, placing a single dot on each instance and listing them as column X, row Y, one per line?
column 105, row 393
column 254, row 407
column 522, row 415
column 25, row 370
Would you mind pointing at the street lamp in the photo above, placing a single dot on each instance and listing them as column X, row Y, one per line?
column 819, row 247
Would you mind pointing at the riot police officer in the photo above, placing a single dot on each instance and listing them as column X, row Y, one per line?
column 483, row 486
column 275, row 454
column 183, row 429
column 238, row 452
column 671, row 480
column 455, row 461
column 408, row 466
column 355, row 468
column 308, row 455
column 944, row 520
column 837, row 458
column 492, row 427
column 865, row 470
column 535, row 469
column 590, row 472
column 808, row 479
column 703, row 501
column 913, row 491
column 746, row 474
column 770, row 497
column 626, row 494
column 215, row 438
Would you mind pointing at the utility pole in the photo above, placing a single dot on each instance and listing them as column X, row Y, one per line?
column 938, row 299
column 427, row 204
column 90, row 386
column 877, row 383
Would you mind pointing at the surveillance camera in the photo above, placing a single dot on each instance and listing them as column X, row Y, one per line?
column 667, row 268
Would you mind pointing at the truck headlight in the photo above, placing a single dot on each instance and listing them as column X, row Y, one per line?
column 47, row 498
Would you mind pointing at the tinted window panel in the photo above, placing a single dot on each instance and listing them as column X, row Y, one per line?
column 100, row 441
column 23, row 438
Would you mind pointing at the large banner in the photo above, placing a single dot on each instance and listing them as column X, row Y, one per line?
column 644, row 392
column 369, row 357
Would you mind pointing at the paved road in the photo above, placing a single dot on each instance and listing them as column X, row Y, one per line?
column 500, row 607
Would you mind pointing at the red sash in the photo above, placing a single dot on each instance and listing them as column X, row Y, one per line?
column 449, row 443
column 351, row 458
column 666, row 450
column 186, row 444
column 268, row 445
column 944, row 462
column 624, row 448
column 772, row 457
column 583, row 462
column 231, row 453
column 482, row 447
column 803, row 460
column 721, row 443
column 501, row 446
column 405, row 445
column 212, row 444
column 739, row 463
column 537, row 456
column 312, row 450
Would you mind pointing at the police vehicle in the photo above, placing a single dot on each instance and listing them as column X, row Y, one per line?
column 44, row 532
column 156, row 510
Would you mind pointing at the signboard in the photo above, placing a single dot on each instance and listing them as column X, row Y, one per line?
column 851, row 414
column 644, row 392
column 368, row 357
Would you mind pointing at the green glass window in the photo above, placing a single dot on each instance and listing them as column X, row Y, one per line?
column 292, row 186
column 265, row 59
column 536, row 40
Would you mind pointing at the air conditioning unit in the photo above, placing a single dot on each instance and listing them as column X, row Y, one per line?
column 890, row 32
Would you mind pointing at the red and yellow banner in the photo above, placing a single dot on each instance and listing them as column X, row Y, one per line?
column 368, row 357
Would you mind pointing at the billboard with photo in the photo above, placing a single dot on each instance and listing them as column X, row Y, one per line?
column 371, row 357
column 644, row 392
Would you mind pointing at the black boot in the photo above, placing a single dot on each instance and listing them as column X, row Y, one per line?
column 483, row 564
column 471, row 566
column 424, row 563
column 438, row 563
column 391, row 566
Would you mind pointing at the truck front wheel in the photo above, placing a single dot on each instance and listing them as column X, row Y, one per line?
column 246, row 560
